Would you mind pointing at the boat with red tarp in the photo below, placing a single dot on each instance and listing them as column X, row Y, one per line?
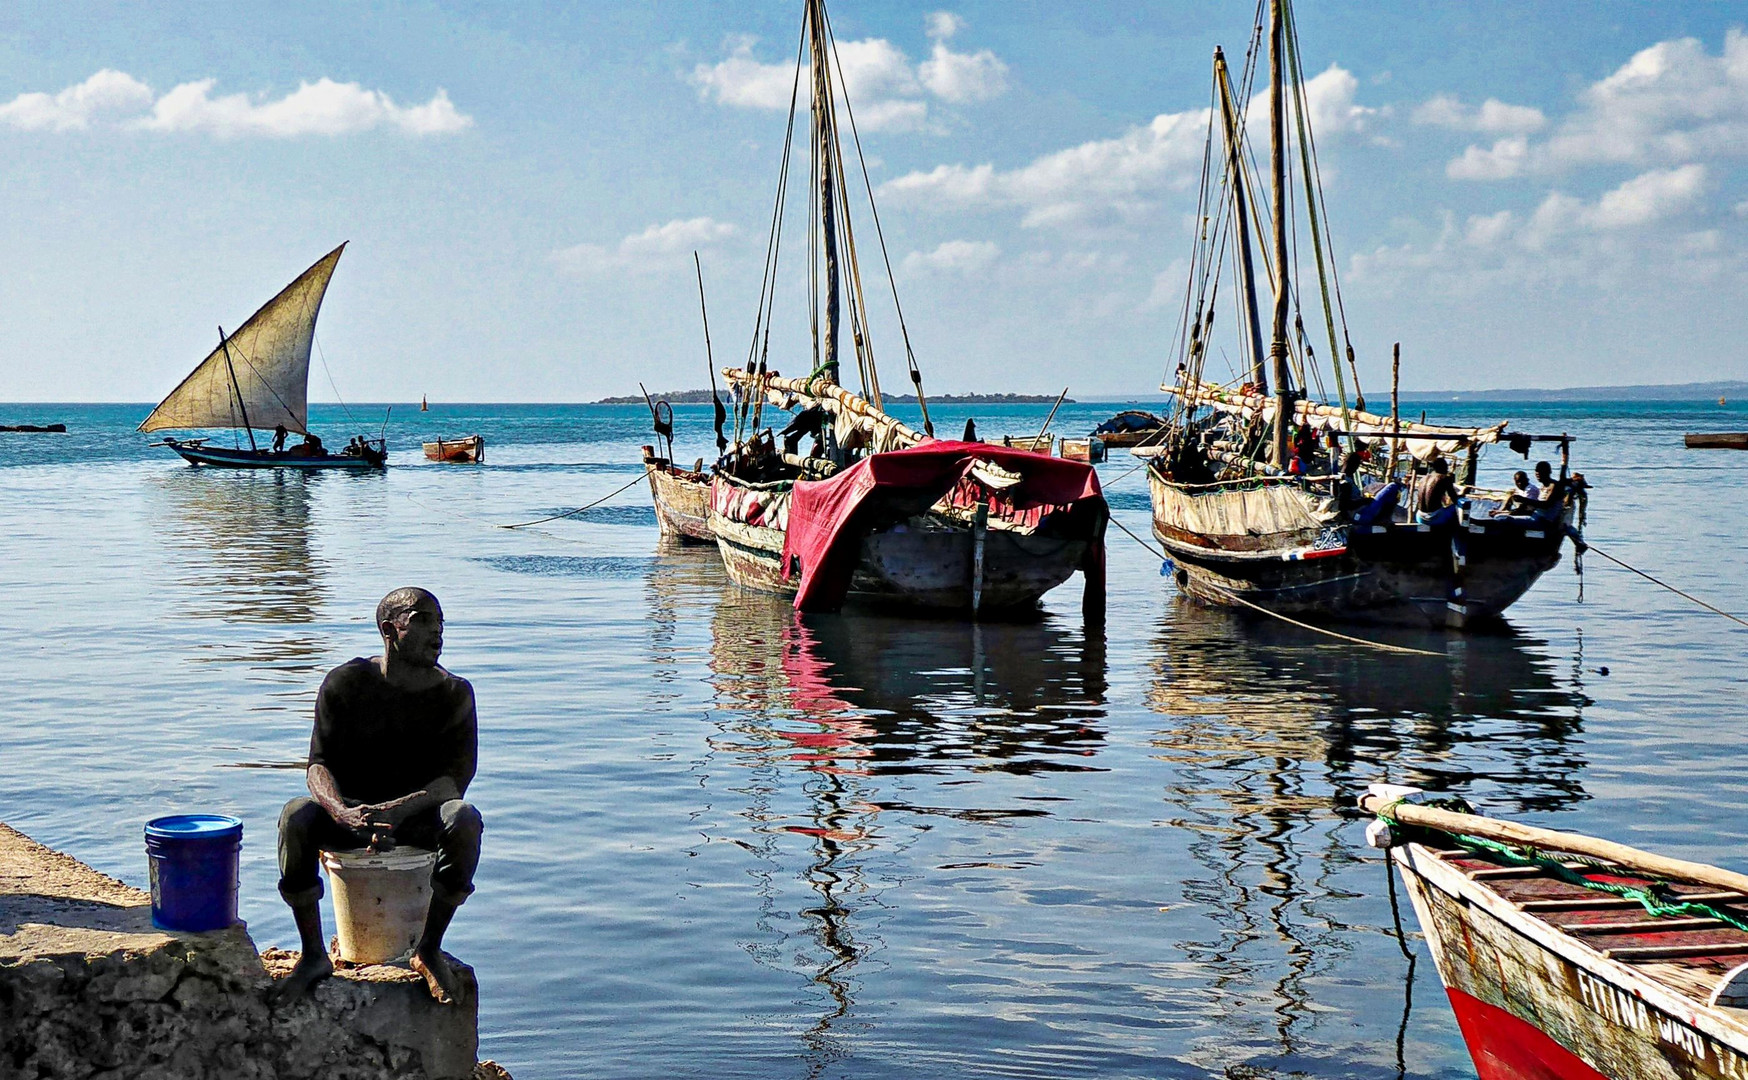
column 1570, row 957
column 871, row 510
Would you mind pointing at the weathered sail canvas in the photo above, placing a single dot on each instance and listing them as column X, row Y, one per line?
column 270, row 354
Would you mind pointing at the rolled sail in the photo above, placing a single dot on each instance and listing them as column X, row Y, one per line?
column 270, row 354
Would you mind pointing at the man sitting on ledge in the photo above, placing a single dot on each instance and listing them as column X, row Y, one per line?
column 394, row 748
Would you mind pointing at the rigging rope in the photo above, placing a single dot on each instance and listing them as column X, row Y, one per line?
column 323, row 353
column 1664, row 584
column 1275, row 614
column 578, row 510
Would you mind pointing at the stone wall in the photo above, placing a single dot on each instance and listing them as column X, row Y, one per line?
column 89, row 989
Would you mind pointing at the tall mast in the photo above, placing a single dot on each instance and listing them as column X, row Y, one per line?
column 1278, row 171
column 236, row 387
column 825, row 145
column 1241, row 226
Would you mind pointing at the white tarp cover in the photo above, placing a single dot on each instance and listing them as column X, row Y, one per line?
column 1266, row 510
column 271, row 357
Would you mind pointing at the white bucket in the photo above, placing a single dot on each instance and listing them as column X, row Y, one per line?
column 380, row 901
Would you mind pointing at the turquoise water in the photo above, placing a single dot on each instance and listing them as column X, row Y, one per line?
column 726, row 841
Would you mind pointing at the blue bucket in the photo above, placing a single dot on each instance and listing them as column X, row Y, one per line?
column 193, row 860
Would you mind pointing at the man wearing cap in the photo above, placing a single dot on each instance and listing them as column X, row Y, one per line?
column 394, row 748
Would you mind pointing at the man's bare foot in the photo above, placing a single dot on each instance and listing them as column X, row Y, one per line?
column 439, row 976
column 312, row 967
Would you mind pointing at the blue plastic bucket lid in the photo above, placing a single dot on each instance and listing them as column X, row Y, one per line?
column 194, row 827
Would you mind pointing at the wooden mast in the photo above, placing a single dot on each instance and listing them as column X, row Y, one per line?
column 1278, row 170
column 236, row 387
column 824, row 124
column 1241, row 212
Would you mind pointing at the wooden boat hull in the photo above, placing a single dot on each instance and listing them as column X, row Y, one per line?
column 1722, row 440
column 1090, row 449
column 682, row 500
column 471, row 449
column 1402, row 573
column 1534, row 1003
column 1037, row 444
column 222, row 458
column 918, row 570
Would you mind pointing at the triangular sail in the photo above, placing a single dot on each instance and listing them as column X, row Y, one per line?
column 270, row 355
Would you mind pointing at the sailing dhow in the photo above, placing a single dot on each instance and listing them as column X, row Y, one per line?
column 1269, row 498
column 875, row 512
column 258, row 380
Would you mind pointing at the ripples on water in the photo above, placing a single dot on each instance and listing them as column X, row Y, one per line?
column 726, row 841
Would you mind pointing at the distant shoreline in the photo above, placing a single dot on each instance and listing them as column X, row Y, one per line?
column 702, row 397
column 1697, row 391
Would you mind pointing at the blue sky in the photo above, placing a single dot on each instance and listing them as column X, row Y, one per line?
column 1527, row 194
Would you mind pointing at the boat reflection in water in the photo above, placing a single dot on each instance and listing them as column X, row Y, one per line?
column 821, row 713
column 239, row 547
column 1273, row 730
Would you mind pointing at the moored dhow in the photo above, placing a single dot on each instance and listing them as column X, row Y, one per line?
column 871, row 510
column 1266, row 497
column 1568, row 957
column 681, row 497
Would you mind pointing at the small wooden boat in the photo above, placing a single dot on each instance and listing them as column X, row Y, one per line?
column 258, row 380
column 1722, row 440
column 1090, row 449
column 1566, row 956
column 468, row 448
column 1037, row 444
column 682, row 499
column 1132, row 427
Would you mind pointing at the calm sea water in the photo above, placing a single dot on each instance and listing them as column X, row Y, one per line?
column 724, row 841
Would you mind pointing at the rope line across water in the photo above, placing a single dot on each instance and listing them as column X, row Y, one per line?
column 1666, row 585
column 573, row 513
column 1286, row 619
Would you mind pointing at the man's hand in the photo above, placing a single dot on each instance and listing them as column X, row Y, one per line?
column 355, row 818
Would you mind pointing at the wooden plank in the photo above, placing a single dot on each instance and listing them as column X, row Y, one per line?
column 1631, row 953
column 1643, row 926
column 1603, row 901
column 1510, row 832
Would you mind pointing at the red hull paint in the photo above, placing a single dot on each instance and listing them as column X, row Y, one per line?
column 1506, row 1047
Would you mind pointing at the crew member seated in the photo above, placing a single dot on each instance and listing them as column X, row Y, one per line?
column 1438, row 496
column 394, row 748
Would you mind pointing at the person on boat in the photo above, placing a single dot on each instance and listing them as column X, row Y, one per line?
column 279, row 434
column 1522, row 498
column 1438, row 496
column 1349, row 492
column 394, row 748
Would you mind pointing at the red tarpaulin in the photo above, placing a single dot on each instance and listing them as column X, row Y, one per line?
column 825, row 539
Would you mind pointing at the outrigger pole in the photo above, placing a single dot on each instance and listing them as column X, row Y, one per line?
column 237, row 388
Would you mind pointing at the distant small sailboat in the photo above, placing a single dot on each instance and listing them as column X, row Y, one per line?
column 258, row 379
column 424, row 406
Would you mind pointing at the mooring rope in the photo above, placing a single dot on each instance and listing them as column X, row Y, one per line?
column 1664, row 584
column 1286, row 619
column 1657, row 899
column 578, row 510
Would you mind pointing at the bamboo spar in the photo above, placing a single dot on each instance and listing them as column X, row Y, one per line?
column 1278, row 180
column 1510, row 832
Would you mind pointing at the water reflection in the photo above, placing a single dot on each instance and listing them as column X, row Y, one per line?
column 824, row 716
column 240, row 543
column 1273, row 729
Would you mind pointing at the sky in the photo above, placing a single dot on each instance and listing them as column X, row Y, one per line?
column 1521, row 194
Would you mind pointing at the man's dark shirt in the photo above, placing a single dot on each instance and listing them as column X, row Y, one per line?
column 381, row 742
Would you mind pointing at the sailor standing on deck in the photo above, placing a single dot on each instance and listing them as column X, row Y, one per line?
column 394, row 749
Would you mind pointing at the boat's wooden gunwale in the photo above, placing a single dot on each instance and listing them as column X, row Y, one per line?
column 681, row 498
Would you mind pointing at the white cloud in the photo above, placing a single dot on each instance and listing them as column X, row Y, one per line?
column 1671, row 103
column 103, row 95
column 648, row 250
column 960, row 77
column 954, row 257
column 1506, row 158
column 885, row 90
column 1492, row 116
column 323, row 107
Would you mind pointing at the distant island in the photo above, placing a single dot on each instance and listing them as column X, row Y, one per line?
column 702, row 397
column 1695, row 391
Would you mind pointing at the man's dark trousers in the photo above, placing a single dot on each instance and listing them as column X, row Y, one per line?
column 306, row 830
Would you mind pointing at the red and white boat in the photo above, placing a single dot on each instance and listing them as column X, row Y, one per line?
column 1567, row 957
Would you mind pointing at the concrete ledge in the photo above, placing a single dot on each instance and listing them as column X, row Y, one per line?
column 89, row 990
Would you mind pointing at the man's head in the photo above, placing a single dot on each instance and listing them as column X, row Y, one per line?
column 1544, row 472
column 1440, row 466
column 411, row 623
column 1520, row 479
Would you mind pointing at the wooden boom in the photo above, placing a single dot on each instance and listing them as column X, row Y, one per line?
column 1510, row 832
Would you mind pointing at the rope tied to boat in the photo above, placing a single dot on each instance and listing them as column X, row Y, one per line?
column 573, row 513
column 1664, row 584
column 1658, row 899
